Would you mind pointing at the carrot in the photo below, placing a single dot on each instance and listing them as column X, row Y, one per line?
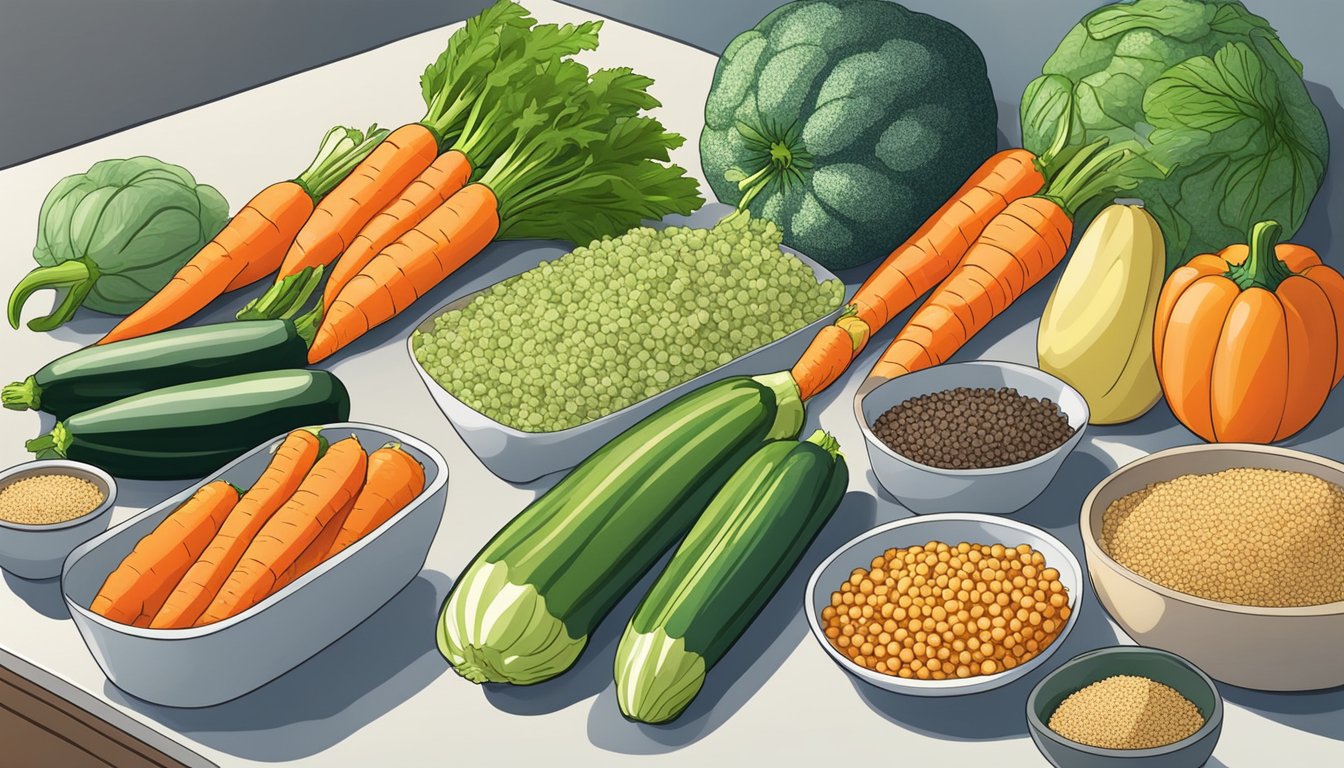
column 929, row 255
column 135, row 590
column 334, row 480
column 480, row 92
column 404, row 271
column 1018, row 247
column 247, row 249
column 371, row 186
column 198, row 587
column 428, row 191
column 394, row 479
column 314, row 554
column 254, row 241
column 917, row 265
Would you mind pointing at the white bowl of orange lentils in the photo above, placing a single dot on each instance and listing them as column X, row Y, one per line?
column 945, row 604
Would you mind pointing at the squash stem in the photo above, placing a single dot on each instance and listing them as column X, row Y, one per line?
column 76, row 275
column 826, row 441
column 1262, row 268
column 22, row 395
column 54, row 443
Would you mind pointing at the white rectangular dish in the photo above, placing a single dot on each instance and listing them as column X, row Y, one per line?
column 519, row 457
column 204, row 666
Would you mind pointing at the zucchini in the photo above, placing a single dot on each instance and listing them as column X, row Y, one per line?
column 191, row 430
column 732, row 562
column 98, row 375
column 524, row 608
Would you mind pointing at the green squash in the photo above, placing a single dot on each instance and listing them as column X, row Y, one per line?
column 847, row 123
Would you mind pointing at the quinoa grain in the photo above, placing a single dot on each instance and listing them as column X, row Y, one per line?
column 1126, row 712
column 48, row 499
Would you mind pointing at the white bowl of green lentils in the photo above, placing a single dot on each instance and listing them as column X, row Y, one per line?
column 540, row 370
column 47, row 508
column 980, row 436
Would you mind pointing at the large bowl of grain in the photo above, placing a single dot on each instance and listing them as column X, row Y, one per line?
column 1231, row 556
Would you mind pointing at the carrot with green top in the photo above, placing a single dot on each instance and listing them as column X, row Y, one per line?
column 137, row 588
column 494, row 52
column 1017, row 248
column 252, row 244
column 197, row 589
column 582, row 164
column 333, row 481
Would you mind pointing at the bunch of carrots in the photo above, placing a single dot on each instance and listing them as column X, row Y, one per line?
column 1009, row 225
column 225, row 550
column 518, row 141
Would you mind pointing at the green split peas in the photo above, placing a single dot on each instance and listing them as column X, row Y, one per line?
column 620, row 320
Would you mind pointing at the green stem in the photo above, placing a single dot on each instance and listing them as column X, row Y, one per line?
column 56, row 441
column 77, row 275
column 1089, row 173
column 306, row 324
column 341, row 150
column 826, row 441
column 23, row 395
column 283, row 300
column 1262, row 268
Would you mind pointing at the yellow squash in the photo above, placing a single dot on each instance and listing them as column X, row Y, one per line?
column 1097, row 329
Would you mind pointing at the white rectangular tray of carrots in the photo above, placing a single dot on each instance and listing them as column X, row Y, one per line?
column 286, row 549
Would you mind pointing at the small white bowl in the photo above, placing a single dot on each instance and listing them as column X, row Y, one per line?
column 950, row 529
column 996, row 490
column 37, row 551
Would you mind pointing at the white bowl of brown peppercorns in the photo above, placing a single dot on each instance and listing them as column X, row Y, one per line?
column 981, row 436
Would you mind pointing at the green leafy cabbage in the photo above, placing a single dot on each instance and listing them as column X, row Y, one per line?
column 1214, row 97
column 111, row 237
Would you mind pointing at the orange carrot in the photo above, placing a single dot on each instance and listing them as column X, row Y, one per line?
column 394, row 479
column 248, row 248
column 198, row 587
column 374, row 183
column 917, row 265
column 136, row 589
column 428, row 191
column 334, row 480
column 313, row 555
column 253, row 243
column 929, row 255
column 404, row 271
column 1018, row 248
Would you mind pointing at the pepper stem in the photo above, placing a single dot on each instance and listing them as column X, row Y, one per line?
column 1262, row 267
column 76, row 275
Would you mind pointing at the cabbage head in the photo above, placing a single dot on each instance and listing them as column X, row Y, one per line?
column 113, row 236
column 1210, row 91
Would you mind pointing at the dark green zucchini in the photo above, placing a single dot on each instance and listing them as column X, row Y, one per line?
column 98, row 375
column 523, row 610
column 192, row 429
column 737, row 556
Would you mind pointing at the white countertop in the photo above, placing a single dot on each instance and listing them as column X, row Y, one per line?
column 382, row 695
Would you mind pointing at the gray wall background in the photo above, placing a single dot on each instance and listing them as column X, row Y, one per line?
column 74, row 70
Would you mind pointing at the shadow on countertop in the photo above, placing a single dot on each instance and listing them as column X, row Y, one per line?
column 42, row 595
column 371, row 670
column 771, row 638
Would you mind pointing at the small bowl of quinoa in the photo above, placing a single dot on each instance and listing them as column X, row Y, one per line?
column 47, row 508
column 983, row 436
column 1230, row 555
column 1125, row 706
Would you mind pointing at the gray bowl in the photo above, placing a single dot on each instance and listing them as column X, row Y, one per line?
column 519, row 457
column 203, row 666
column 950, row 529
column 998, row 490
column 1085, row 669
column 37, row 551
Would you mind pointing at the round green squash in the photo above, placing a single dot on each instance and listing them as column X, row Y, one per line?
column 847, row 123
